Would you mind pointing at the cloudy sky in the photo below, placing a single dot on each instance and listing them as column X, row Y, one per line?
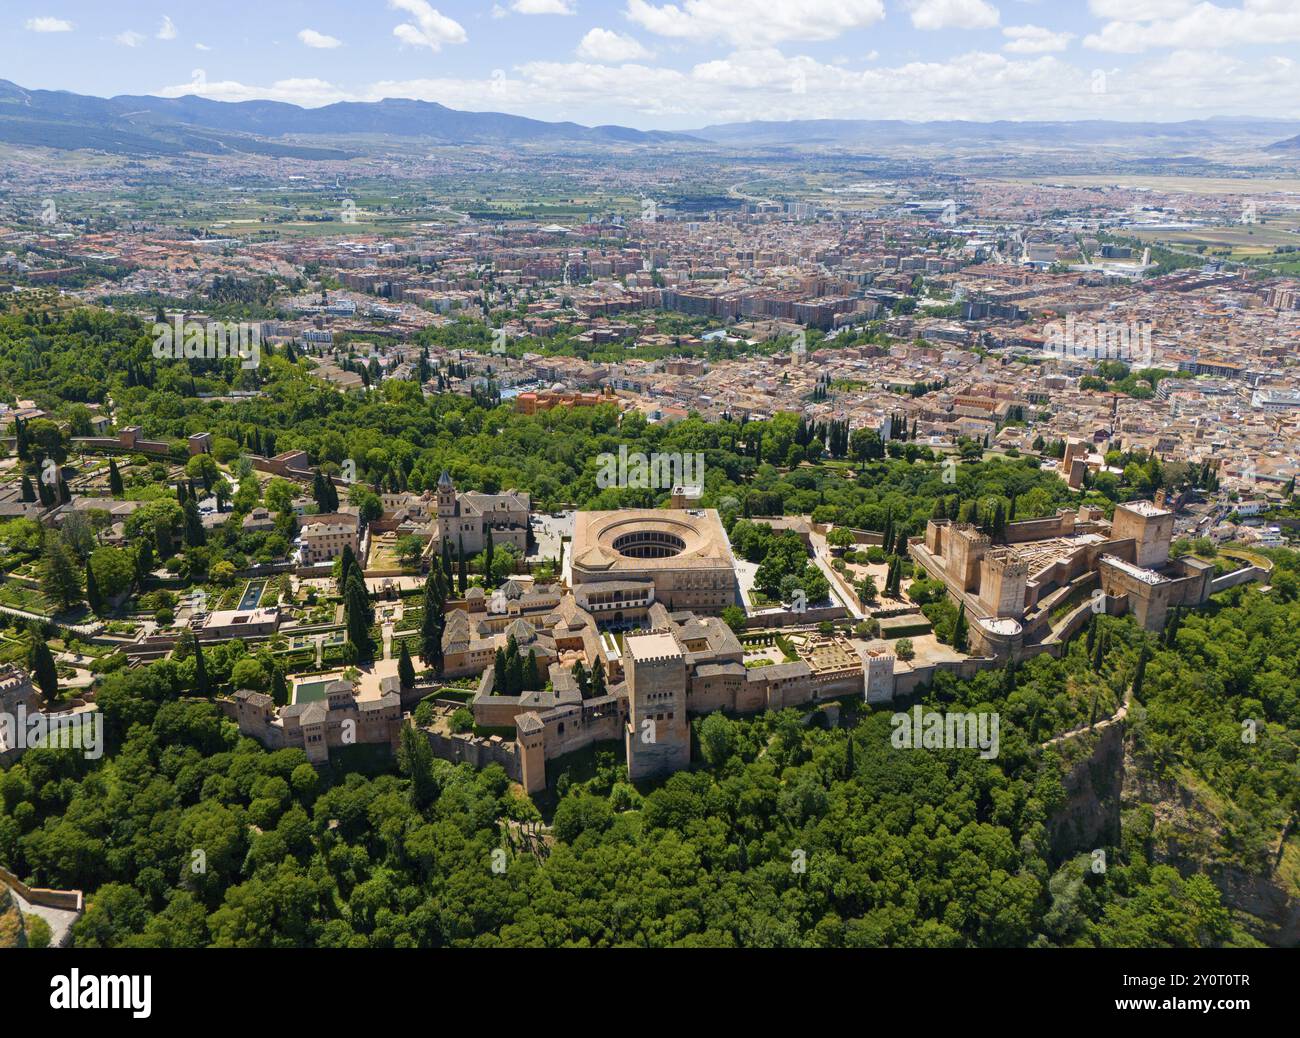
column 652, row 64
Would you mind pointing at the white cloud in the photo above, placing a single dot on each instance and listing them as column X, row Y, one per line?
column 756, row 22
column 201, row 46
column 953, row 14
column 543, row 7
column 1139, row 10
column 129, row 38
column 1034, row 39
column 318, row 40
column 1205, row 26
column 310, row 93
column 604, row 45
column 167, row 31
column 49, row 25
column 432, row 28
column 764, row 83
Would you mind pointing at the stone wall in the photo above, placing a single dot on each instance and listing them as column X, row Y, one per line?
column 480, row 752
column 67, row 900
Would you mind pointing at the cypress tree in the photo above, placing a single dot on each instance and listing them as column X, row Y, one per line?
column 194, row 533
column 405, row 668
column 114, row 479
column 499, row 682
column 358, row 615
column 1140, row 673
column 279, row 687
column 347, row 562
column 200, row 669
column 143, row 562
column 514, row 670
column 433, row 622
column 93, row 597
column 44, row 672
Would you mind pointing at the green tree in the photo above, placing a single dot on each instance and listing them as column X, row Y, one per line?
column 734, row 617
column 59, row 577
column 93, row 598
column 44, row 673
column 358, row 614
column 405, row 668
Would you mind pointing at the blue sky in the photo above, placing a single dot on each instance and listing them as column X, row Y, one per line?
column 648, row 63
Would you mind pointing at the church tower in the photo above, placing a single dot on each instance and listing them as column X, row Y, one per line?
column 446, row 497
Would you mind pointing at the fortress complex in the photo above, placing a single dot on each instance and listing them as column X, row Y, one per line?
column 624, row 561
column 1011, row 588
column 677, row 666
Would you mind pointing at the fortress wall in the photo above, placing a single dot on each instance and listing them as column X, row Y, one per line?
column 1040, row 529
column 467, row 749
column 1233, row 579
column 69, row 900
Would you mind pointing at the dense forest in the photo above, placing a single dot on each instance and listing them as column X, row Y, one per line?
column 791, row 831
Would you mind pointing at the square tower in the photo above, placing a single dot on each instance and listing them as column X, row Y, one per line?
column 964, row 548
column 1151, row 528
column 1004, row 575
column 658, row 734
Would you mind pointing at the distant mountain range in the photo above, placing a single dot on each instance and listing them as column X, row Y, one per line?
column 153, row 126
column 873, row 134
column 144, row 126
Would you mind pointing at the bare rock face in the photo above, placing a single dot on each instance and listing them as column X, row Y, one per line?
column 1190, row 834
column 1089, row 818
column 1102, row 776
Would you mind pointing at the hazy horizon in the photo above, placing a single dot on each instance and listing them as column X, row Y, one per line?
column 655, row 66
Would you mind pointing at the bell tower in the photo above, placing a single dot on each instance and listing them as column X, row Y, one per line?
column 446, row 497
